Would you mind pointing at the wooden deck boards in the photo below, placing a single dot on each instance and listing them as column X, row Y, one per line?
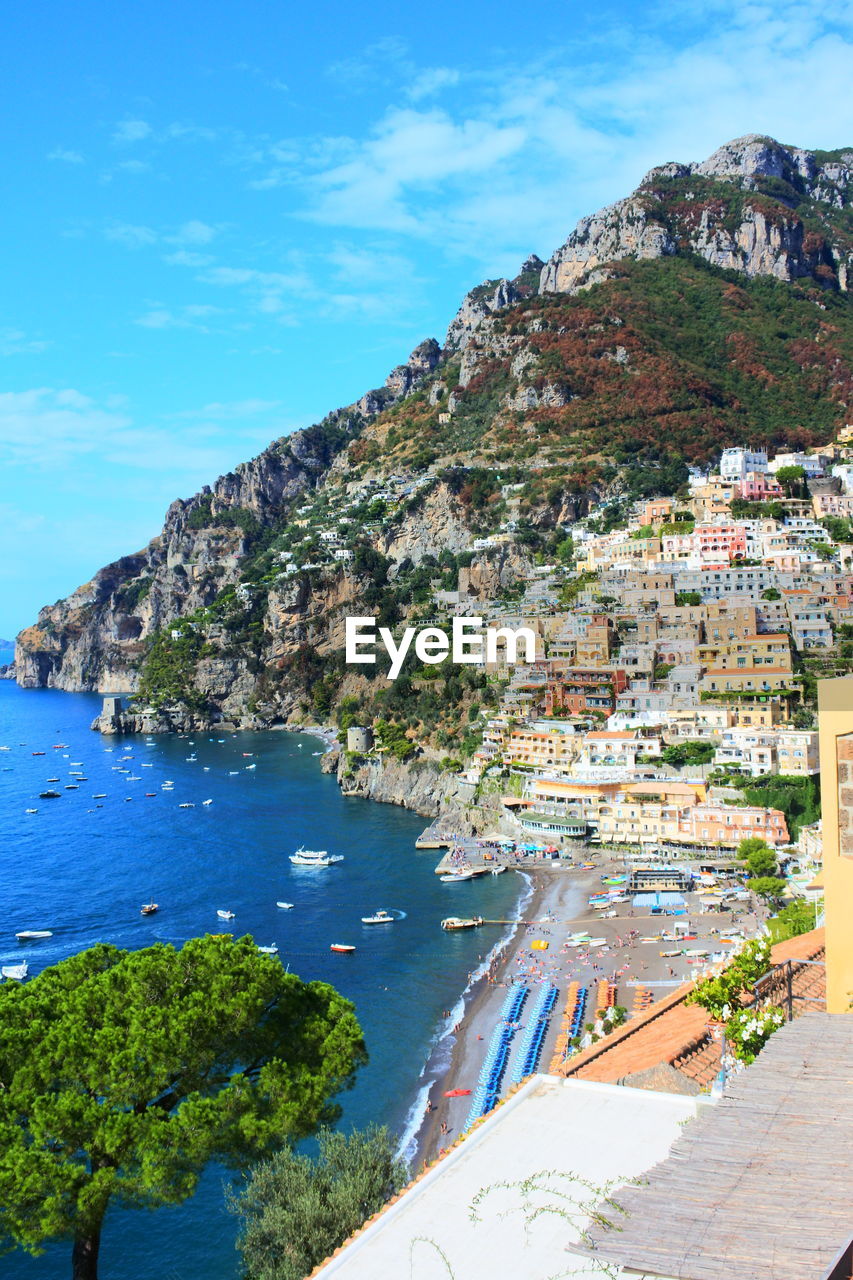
column 760, row 1185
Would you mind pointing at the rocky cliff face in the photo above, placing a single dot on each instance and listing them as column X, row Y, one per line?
column 757, row 226
column 95, row 638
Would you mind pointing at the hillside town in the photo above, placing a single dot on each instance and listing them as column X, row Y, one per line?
column 677, row 655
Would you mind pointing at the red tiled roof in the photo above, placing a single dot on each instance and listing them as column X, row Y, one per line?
column 677, row 1033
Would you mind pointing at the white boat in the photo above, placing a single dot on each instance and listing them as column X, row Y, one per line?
column 379, row 917
column 32, row 935
column 207, row 802
column 31, row 811
column 271, row 950
column 455, row 922
column 187, row 804
column 454, row 877
column 17, row 972
column 225, row 915
column 232, row 773
column 314, row 858
column 285, row 906
column 251, row 766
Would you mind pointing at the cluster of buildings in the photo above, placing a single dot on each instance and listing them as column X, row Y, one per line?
column 687, row 633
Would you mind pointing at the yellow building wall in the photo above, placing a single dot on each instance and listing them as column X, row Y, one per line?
column 835, row 724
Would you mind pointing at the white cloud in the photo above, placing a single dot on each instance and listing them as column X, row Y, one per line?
column 268, row 292
column 69, row 157
column 46, row 427
column 194, row 232
column 187, row 258
column 14, row 342
column 512, row 165
column 432, row 80
column 132, row 237
column 134, row 166
column 189, row 316
column 128, row 131
column 231, row 409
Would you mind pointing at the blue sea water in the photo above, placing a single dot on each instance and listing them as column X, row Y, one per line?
column 82, row 867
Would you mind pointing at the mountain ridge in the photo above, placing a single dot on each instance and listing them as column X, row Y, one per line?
column 710, row 302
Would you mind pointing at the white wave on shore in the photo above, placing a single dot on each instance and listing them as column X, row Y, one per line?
column 440, row 1051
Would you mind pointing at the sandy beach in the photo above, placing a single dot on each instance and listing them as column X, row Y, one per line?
column 559, row 907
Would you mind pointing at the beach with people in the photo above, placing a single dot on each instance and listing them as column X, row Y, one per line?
column 628, row 956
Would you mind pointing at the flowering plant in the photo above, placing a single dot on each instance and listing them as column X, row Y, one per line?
column 748, row 1030
column 722, row 994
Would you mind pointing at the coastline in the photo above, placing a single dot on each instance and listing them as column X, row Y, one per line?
column 557, row 907
column 553, row 895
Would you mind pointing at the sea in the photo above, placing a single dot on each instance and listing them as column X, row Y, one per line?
column 81, row 867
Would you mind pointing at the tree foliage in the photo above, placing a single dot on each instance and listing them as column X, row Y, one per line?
column 124, row 1073
column 296, row 1209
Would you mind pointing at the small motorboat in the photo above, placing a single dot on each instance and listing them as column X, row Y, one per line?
column 232, row 773
column 225, row 915
column 271, row 950
column 149, row 908
column 250, row 766
column 38, row 753
column 17, row 972
column 456, row 877
column 285, row 906
column 71, row 786
column 53, row 779
column 207, row 802
column 457, row 922
column 31, row 811
column 498, row 871
column 379, row 917
column 315, row 858
column 49, row 795
column 342, row 947
column 149, row 795
column 33, row 935
column 187, row 804
column 102, row 795
column 61, row 746
column 247, row 754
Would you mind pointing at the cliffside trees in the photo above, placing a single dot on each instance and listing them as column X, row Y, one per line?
column 124, row 1073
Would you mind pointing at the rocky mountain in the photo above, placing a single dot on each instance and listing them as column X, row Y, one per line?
column 709, row 307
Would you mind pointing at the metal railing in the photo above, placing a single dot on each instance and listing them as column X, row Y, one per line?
column 779, row 982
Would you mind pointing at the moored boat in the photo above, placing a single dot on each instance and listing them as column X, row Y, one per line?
column 271, row 950
column 342, row 947
column 17, row 972
column 285, row 906
column 33, row 935
column 225, row 915
column 460, row 922
column 314, row 858
column 149, row 908
column 49, row 795
column 455, row 877
column 379, row 917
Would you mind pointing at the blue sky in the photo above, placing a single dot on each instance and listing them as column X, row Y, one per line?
column 222, row 221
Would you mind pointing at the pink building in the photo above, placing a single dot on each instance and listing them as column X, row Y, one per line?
column 759, row 487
